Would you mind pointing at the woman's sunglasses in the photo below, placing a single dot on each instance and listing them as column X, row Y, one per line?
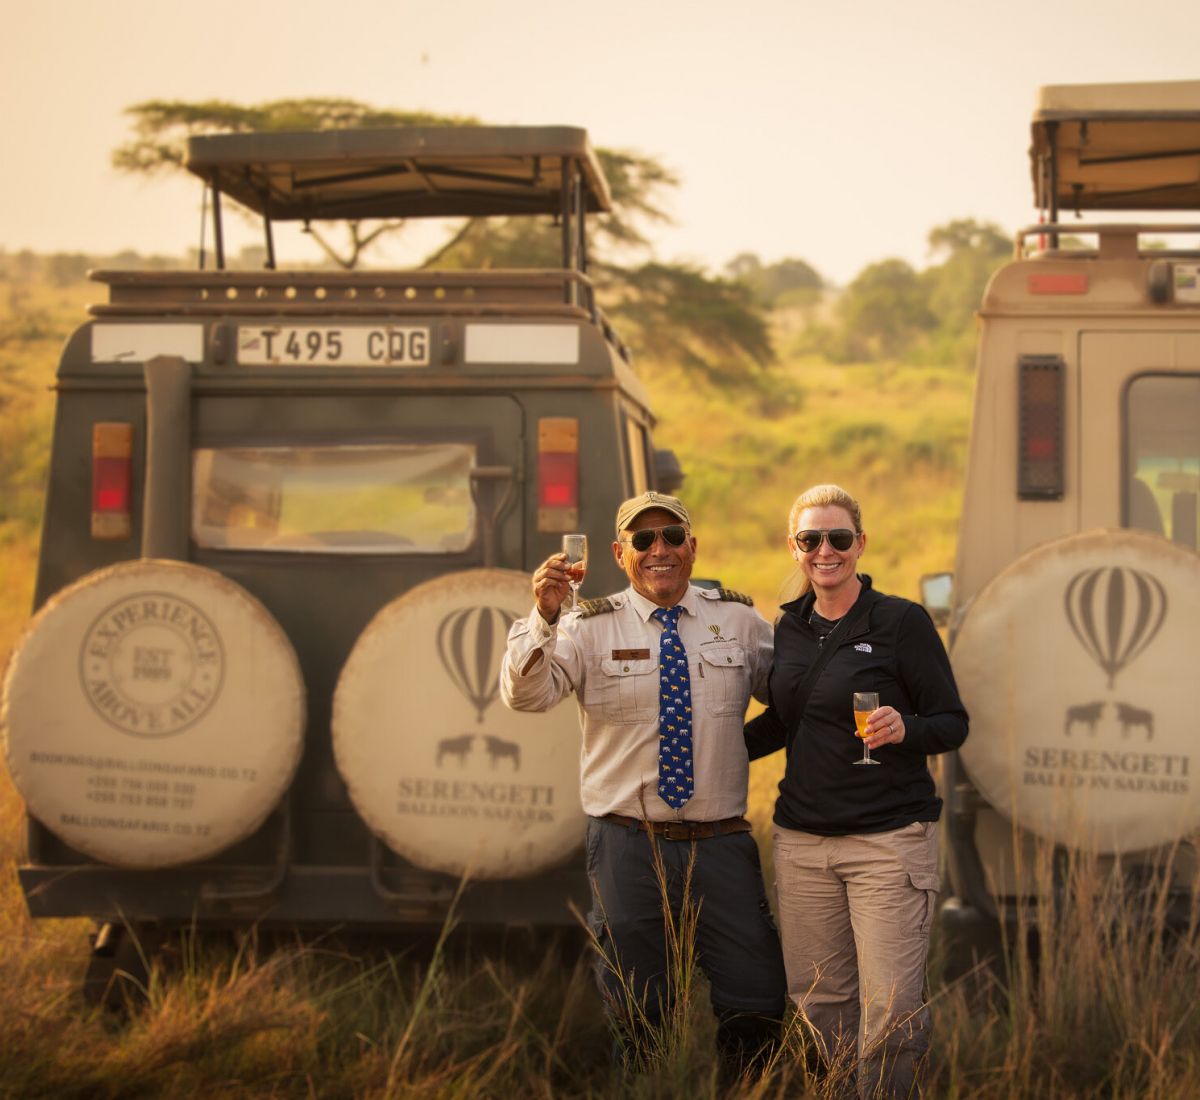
column 673, row 535
column 840, row 538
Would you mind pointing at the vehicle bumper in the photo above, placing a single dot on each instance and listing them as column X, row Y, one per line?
column 303, row 895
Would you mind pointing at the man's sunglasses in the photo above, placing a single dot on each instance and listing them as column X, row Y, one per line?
column 840, row 538
column 674, row 534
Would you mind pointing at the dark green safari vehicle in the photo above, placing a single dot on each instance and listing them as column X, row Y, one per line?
column 290, row 518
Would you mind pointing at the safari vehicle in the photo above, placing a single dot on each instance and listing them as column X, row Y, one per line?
column 1074, row 617
column 290, row 518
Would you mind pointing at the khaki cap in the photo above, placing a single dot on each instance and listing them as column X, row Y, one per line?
column 631, row 509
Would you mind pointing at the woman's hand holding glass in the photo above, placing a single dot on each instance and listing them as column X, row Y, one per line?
column 876, row 725
column 865, row 704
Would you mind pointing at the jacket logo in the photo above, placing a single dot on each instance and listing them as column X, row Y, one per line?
column 716, row 633
column 864, row 647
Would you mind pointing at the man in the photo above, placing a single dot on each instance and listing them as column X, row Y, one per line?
column 662, row 672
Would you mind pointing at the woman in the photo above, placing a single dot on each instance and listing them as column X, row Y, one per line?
column 856, row 846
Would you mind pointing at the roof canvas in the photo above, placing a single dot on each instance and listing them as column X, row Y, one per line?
column 400, row 172
column 1118, row 146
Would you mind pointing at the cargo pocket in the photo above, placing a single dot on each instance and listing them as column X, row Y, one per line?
column 928, row 883
column 627, row 691
column 722, row 672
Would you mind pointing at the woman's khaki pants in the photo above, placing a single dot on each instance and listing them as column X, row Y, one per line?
column 854, row 915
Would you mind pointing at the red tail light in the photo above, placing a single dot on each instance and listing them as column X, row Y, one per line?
column 1040, row 428
column 112, row 480
column 558, row 474
column 1058, row 283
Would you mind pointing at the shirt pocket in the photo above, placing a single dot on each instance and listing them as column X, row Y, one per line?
column 627, row 691
column 723, row 674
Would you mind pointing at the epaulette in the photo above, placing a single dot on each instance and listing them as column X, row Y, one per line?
column 731, row 596
column 601, row 606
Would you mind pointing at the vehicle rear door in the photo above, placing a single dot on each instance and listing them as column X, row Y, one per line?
column 1140, row 432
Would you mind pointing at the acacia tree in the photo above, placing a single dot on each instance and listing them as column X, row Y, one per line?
column 674, row 311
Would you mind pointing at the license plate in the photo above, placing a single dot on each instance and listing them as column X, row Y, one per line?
column 333, row 346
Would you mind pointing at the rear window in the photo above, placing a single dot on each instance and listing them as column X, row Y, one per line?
column 371, row 499
column 1162, row 487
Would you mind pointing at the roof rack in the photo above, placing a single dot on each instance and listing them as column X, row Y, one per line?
column 403, row 172
column 1114, row 240
column 529, row 290
column 1117, row 147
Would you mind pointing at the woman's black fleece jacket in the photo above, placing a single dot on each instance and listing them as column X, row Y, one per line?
column 896, row 651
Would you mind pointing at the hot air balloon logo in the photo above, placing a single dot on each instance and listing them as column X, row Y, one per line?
column 1115, row 613
column 469, row 643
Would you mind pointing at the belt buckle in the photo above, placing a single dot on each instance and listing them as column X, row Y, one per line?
column 677, row 830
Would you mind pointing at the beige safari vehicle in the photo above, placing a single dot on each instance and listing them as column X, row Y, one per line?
column 1074, row 611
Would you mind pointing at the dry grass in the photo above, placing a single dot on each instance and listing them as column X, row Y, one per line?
column 1108, row 1010
column 1105, row 1008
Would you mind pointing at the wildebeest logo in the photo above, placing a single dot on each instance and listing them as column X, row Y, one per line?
column 1087, row 714
column 470, row 643
column 1131, row 716
column 498, row 749
column 1115, row 612
column 454, row 746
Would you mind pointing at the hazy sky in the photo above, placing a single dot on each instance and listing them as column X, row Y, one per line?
column 836, row 132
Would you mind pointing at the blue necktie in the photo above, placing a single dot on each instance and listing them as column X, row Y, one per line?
column 675, row 781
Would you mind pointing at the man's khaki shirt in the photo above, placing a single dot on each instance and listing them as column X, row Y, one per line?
column 610, row 661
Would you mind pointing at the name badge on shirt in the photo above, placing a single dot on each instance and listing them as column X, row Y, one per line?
column 631, row 654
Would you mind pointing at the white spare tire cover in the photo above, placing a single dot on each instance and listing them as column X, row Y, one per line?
column 153, row 714
column 1078, row 665
column 438, row 767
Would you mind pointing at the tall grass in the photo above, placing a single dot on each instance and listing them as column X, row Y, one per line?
column 1107, row 1008
column 1104, row 1005
column 241, row 1016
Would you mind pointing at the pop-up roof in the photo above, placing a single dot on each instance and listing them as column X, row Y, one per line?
column 402, row 172
column 1117, row 147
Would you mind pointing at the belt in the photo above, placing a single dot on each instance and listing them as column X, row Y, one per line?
column 683, row 830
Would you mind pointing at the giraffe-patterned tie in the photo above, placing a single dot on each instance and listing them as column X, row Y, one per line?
column 675, row 776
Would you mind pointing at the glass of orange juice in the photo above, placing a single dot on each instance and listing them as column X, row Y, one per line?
column 865, row 702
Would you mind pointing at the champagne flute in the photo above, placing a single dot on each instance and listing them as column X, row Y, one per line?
column 575, row 548
column 864, row 703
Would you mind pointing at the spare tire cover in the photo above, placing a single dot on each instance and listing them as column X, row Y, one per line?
column 1077, row 666
column 153, row 714
column 435, row 763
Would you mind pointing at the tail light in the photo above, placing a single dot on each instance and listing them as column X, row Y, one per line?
column 558, row 474
column 112, row 480
column 1040, row 427
column 1058, row 283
